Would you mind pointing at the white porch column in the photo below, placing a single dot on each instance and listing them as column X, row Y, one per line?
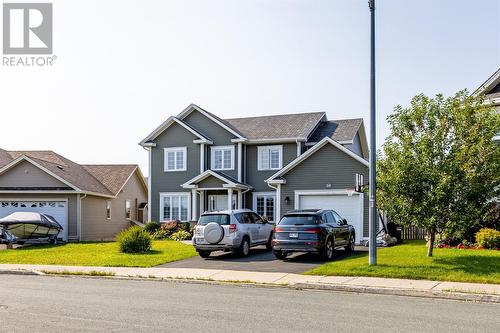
column 240, row 199
column 202, row 202
column 229, row 198
column 194, row 202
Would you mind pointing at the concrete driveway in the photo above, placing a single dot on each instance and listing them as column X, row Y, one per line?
column 259, row 260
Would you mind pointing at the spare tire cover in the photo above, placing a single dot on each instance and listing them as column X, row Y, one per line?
column 213, row 233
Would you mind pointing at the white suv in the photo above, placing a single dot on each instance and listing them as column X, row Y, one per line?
column 231, row 230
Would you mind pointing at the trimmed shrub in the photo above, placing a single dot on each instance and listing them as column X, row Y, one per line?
column 134, row 240
column 488, row 238
column 152, row 226
column 180, row 235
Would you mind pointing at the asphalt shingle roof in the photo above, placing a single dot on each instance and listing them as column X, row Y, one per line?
column 277, row 127
column 105, row 179
column 338, row 130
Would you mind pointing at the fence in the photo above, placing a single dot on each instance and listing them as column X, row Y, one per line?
column 412, row 233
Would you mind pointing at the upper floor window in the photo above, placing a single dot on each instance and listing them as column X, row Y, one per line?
column 222, row 158
column 269, row 157
column 175, row 159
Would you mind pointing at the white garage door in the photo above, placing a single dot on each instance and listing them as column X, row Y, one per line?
column 57, row 209
column 349, row 207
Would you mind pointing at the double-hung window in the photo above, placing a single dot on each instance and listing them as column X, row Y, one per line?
column 222, row 158
column 269, row 157
column 174, row 206
column 175, row 159
column 264, row 204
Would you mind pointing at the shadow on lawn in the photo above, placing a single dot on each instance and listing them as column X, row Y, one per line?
column 471, row 264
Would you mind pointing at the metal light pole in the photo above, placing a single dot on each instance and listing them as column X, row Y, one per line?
column 373, row 216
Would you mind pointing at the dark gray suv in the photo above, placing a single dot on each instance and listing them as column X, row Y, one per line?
column 312, row 230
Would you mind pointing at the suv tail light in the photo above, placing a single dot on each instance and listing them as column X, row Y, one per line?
column 278, row 229
column 313, row 230
column 232, row 228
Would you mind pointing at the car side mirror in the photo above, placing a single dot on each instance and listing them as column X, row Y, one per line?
column 344, row 221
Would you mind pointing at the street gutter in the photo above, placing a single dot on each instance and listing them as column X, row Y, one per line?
column 473, row 292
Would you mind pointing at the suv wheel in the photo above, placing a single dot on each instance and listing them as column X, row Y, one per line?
column 329, row 249
column 204, row 253
column 350, row 246
column 244, row 249
column 269, row 245
column 280, row 255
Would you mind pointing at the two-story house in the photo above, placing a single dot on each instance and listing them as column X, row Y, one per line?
column 271, row 164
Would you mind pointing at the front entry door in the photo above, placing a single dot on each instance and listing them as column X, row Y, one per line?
column 219, row 201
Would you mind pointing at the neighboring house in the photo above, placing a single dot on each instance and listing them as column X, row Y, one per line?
column 491, row 90
column 271, row 164
column 91, row 202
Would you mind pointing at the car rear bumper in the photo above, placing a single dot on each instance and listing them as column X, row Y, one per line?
column 226, row 245
column 297, row 246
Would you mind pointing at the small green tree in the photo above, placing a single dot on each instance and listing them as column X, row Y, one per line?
column 439, row 166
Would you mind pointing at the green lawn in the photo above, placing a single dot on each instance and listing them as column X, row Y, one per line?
column 96, row 254
column 409, row 261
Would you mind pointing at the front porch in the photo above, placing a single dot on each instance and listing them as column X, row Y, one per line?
column 211, row 191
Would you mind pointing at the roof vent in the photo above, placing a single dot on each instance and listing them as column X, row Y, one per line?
column 59, row 167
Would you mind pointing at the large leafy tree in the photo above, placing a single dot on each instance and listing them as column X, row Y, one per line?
column 439, row 168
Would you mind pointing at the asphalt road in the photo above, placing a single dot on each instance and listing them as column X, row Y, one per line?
column 259, row 260
column 76, row 304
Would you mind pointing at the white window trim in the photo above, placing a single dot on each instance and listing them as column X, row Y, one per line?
column 166, row 194
column 212, row 157
column 264, row 194
column 261, row 148
column 174, row 149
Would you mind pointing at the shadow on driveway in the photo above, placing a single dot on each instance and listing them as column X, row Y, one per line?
column 259, row 260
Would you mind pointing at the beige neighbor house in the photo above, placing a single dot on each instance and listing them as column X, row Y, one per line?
column 91, row 202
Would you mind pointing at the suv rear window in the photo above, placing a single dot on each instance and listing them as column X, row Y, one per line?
column 221, row 219
column 300, row 220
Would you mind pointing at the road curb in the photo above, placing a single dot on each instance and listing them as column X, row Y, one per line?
column 471, row 297
column 435, row 294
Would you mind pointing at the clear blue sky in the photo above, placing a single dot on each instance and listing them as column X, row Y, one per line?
column 124, row 66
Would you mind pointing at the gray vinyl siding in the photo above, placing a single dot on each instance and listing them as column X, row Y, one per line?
column 218, row 135
column 211, row 182
column 257, row 178
column 174, row 136
column 356, row 146
column 328, row 165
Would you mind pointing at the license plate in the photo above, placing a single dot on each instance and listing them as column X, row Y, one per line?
column 293, row 235
column 200, row 241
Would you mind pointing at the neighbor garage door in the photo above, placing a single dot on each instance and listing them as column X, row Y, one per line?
column 349, row 207
column 57, row 209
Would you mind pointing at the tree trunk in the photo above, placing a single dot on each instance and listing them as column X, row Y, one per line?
column 430, row 244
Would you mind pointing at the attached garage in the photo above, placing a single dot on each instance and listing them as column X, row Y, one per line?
column 56, row 208
column 324, row 177
column 348, row 205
